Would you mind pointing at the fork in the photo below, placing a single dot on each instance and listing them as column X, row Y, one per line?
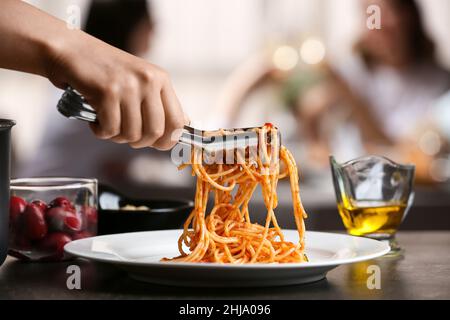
column 74, row 106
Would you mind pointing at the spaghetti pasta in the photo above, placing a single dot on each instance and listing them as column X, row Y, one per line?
column 227, row 234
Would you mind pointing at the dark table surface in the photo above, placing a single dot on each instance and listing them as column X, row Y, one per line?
column 423, row 272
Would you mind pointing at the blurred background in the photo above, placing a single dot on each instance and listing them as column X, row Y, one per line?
column 312, row 67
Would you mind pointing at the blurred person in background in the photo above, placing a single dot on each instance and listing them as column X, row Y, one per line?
column 376, row 102
column 67, row 148
column 389, row 88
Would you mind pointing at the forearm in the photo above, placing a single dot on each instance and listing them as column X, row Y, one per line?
column 28, row 37
column 242, row 82
column 370, row 128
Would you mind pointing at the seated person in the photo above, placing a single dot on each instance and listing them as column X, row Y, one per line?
column 374, row 103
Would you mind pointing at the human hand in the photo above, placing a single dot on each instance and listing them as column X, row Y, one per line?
column 134, row 100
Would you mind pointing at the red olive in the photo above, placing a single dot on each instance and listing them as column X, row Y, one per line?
column 17, row 206
column 54, row 243
column 41, row 204
column 72, row 222
column 82, row 235
column 62, row 202
column 34, row 224
column 59, row 219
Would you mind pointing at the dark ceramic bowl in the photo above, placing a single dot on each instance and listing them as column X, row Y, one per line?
column 161, row 215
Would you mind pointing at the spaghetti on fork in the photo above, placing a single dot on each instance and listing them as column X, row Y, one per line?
column 227, row 234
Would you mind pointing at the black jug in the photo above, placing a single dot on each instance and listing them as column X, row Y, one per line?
column 5, row 154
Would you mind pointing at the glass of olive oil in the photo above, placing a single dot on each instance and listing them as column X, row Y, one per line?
column 373, row 196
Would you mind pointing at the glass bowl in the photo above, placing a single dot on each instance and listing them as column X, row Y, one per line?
column 47, row 213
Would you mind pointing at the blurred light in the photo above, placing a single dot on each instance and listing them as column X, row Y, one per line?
column 440, row 169
column 430, row 143
column 285, row 58
column 312, row 51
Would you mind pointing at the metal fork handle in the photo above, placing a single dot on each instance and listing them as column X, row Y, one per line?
column 74, row 106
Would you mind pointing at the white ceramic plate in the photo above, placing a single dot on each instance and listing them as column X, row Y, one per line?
column 139, row 254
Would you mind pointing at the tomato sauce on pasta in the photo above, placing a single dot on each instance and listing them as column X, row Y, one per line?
column 227, row 234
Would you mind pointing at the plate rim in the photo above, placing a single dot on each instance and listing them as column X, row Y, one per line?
column 383, row 249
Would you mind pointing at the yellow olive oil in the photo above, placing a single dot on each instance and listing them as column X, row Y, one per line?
column 371, row 217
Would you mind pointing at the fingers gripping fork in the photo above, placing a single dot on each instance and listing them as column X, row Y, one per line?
column 74, row 106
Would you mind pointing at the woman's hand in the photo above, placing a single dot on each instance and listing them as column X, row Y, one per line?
column 134, row 99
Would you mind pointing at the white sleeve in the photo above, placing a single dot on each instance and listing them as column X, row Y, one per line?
column 355, row 74
column 440, row 114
